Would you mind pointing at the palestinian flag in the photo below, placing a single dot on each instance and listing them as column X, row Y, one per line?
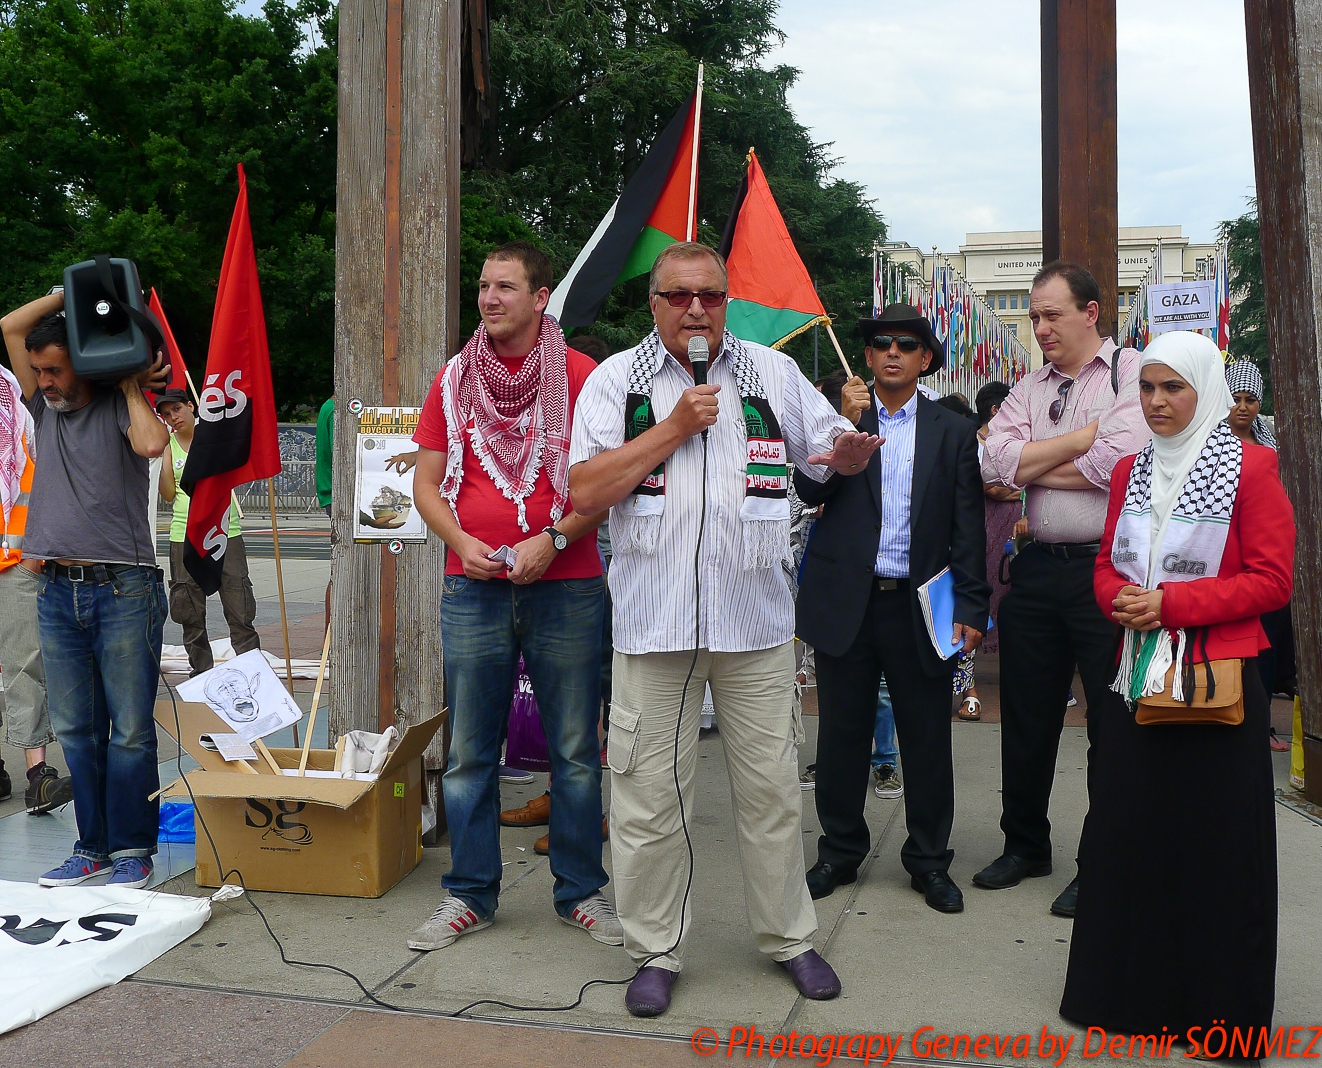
column 771, row 296
column 651, row 213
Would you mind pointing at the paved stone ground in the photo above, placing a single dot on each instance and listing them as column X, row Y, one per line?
column 224, row 998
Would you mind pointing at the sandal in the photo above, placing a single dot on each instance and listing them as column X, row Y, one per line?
column 970, row 710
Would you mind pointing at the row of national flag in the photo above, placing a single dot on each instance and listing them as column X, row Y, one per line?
column 976, row 339
column 1136, row 330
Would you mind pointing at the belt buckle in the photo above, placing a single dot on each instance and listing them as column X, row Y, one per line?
column 887, row 585
column 80, row 577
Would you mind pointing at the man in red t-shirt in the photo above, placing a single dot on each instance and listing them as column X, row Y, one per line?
column 492, row 480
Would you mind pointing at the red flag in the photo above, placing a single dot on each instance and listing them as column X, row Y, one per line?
column 235, row 440
column 178, row 372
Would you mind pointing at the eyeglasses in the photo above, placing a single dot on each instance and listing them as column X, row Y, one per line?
column 883, row 342
column 1057, row 408
column 682, row 298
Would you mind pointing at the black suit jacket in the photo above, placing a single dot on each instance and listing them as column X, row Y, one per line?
column 947, row 529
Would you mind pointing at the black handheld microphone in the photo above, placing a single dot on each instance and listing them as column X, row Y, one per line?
column 698, row 355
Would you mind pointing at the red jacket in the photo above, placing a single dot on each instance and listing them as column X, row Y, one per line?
column 1257, row 569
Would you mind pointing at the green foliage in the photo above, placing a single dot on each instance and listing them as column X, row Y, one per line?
column 1248, row 309
column 121, row 122
column 585, row 86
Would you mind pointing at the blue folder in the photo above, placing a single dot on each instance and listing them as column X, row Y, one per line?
column 937, row 598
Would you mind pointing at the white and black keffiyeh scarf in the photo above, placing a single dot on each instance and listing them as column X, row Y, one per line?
column 1191, row 548
column 765, row 512
column 1243, row 377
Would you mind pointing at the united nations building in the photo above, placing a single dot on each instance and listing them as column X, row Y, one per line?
column 1000, row 267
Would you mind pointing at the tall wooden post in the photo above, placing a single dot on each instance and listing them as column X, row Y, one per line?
column 1079, row 161
column 1285, row 91
column 396, row 320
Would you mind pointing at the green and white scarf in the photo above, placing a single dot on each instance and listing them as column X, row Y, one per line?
column 765, row 512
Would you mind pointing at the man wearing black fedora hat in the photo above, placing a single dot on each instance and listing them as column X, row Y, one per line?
column 917, row 510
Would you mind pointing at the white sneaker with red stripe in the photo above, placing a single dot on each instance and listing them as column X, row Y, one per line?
column 597, row 916
column 453, row 919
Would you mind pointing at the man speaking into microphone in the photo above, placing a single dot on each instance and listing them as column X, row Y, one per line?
column 686, row 438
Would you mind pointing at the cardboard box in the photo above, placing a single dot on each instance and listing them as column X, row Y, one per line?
column 299, row 834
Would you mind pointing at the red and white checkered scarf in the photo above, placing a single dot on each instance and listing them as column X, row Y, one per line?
column 517, row 424
column 15, row 422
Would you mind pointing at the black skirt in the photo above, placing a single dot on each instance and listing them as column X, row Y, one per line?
column 1176, row 922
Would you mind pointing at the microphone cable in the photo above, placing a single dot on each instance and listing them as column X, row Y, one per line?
column 679, row 793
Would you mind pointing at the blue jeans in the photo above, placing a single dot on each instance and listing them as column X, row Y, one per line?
column 883, row 734
column 556, row 625
column 101, row 644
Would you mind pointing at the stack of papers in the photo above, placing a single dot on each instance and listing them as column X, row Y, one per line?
column 937, row 598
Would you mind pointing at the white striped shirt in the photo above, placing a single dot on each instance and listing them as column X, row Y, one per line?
column 653, row 595
column 896, row 456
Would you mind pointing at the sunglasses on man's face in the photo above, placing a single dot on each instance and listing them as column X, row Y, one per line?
column 682, row 298
column 883, row 342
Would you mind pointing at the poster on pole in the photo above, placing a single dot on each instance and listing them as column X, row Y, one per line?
column 383, row 508
column 1182, row 306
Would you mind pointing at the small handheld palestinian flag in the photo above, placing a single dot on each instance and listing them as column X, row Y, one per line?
column 235, row 440
column 656, row 209
column 772, row 298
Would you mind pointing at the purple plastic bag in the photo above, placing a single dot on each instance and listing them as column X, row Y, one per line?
column 525, row 745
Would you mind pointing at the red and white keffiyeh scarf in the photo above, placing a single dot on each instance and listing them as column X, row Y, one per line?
column 517, row 424
column 15, row 421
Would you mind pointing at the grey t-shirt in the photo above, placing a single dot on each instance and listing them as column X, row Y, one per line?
column 89, row 489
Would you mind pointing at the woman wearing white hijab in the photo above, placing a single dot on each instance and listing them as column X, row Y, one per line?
column 1176, row 925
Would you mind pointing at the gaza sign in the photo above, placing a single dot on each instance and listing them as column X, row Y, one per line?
column 1182, row 306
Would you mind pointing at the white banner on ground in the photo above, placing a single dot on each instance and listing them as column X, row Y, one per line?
column 60, row 944
column 1182, row 306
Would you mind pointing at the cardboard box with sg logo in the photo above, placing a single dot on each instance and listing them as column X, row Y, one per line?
column 303, row 835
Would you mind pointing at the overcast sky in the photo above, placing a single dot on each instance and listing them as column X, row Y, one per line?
column 935, row 109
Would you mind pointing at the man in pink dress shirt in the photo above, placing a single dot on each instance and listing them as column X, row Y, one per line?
column 1058, row 435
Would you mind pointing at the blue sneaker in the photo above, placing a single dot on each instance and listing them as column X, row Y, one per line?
column 517, row 776
column 77, row 869
column 131, row 872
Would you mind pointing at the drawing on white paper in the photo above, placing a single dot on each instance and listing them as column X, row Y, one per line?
column 246, row 694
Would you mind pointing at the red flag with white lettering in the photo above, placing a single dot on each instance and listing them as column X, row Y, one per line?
column 235, row 440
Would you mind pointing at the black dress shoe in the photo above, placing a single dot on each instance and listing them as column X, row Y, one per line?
column 941, row 892
column 824, row 877
column 1009, row 870
column 1068, row 902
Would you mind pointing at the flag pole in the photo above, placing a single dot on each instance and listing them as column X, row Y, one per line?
column 691, row 231
column 280, row 586
column 838, row 350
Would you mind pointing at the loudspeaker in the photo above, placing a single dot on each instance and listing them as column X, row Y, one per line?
column 111, row 331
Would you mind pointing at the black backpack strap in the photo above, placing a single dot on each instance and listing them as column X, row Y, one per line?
column 146, row 322
column 1115, row 372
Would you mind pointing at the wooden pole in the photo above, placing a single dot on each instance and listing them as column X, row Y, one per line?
column 1285, row 93
column 316, row 700
column 838, row 350
column 1080, row 164
column 691, row 229
column 396, row 320
column 280, row 587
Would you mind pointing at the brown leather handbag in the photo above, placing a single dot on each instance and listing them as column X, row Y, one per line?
column 1213, row 689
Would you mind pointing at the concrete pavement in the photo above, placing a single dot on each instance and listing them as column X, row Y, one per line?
column 225, row 998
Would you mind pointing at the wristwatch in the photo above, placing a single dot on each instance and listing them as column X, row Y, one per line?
column 558, row 539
